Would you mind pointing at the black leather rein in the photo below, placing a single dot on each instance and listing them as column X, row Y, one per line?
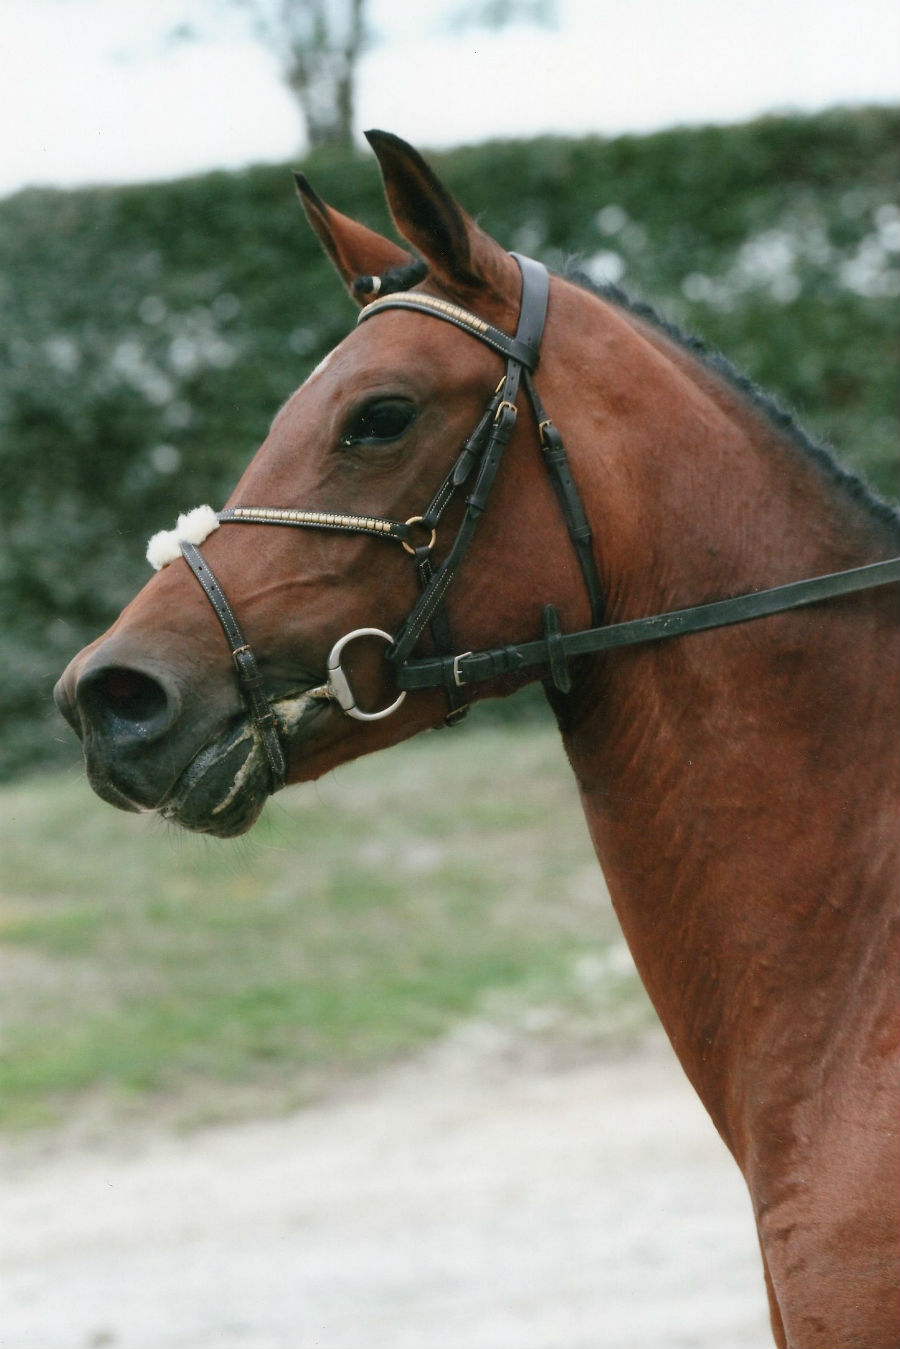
column 478, row 462
column 556, row 649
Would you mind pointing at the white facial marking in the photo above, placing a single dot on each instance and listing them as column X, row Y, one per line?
column 320, row 367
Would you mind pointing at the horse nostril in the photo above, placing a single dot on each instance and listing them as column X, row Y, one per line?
column 119, row 699
column 131, row 695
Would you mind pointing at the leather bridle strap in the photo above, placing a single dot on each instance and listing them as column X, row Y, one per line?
column 249, row 678
column 555, row 649
column 556, row 462
column 524, row 348
column 484, row 448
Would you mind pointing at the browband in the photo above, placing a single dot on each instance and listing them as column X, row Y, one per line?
column 524, row 348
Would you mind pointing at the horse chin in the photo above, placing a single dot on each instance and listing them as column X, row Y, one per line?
column 224, row 787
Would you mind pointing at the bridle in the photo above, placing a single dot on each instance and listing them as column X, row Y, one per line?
column 477, row 463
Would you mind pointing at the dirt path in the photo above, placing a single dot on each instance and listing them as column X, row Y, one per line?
column 470, row 1200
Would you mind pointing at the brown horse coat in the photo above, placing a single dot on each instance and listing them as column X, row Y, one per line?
column 739, row 785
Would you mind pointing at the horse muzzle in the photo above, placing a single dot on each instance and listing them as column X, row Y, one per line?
column 123, row 708
column 151, row 744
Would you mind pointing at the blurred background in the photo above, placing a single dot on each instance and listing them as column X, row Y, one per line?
column 160, row 295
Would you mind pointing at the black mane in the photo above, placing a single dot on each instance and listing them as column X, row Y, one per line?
column 848, row 482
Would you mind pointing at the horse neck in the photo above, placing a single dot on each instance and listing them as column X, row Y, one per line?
column 725, row 776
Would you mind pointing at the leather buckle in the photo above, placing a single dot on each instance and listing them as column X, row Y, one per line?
column 556, row 655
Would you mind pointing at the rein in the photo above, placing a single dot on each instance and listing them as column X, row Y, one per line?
column 482, row 451
column 556, row 648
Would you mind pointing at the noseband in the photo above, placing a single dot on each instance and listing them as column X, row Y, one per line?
column 478, row 462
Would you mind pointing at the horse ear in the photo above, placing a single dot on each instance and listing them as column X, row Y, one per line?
column 356, row 251
column 461, row 257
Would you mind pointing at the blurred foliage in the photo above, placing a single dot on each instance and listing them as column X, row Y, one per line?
column 148, row 334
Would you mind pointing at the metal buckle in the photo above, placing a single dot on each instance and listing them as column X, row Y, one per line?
column 416, row 520
column 457, row 675
column 339, row 684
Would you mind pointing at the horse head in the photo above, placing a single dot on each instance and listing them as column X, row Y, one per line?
column 370, row 435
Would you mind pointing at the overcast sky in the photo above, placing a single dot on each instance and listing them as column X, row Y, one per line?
column 91, row 91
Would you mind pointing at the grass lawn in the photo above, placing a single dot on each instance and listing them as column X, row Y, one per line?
column 448, row 879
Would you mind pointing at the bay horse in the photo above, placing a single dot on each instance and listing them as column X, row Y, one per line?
column 734, row 752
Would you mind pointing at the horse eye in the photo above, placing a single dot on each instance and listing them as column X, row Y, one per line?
column 381, row 421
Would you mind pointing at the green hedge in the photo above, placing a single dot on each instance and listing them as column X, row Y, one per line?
column 147, row 334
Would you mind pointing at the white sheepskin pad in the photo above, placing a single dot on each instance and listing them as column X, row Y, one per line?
column 192, row 527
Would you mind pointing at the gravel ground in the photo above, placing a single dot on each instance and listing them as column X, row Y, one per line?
column 473, row 1199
